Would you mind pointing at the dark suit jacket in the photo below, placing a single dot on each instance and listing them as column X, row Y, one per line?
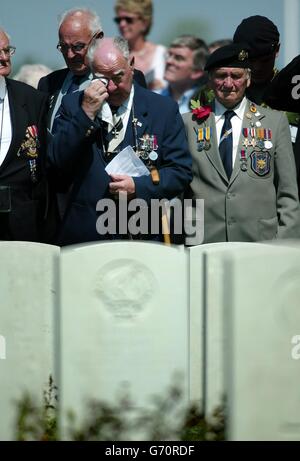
column 74, row 152
column 27, row 196
column 281, row 94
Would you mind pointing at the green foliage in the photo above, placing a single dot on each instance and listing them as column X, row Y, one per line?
column 165, row 419
column 38, row 423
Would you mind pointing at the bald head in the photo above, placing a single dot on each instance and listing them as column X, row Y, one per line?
column 77, row 29
column 109, row 58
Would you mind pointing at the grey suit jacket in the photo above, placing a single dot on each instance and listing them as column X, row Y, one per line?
column 259, row 201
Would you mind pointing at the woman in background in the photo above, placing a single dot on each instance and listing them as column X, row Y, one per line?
column 134, row 19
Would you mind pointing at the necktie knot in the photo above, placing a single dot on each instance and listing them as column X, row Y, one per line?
column 75, row 82
column 229, row 114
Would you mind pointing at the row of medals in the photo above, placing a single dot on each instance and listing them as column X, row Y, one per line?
column 147, row 148
column 261, row 137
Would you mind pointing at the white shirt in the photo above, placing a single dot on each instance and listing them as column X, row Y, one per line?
column 123, row 111
column 5, row 121
column 236, row 123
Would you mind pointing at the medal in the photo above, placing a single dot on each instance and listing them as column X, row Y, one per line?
column 243, row 160
column 200, row 146
column 268, row 137
column 153, row 156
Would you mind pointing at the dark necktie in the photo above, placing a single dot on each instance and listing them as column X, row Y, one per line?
column 75, row 82
column 225, row 146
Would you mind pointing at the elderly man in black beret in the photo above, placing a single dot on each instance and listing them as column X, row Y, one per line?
column 243, row 165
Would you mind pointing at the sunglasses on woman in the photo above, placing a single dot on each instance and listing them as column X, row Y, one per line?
column 128, row 19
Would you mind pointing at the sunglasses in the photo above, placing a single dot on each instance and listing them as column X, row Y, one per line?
column 128, row 19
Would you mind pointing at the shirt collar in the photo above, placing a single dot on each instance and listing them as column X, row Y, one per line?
column 106, row 114
column 2, row 88
column 239, row 109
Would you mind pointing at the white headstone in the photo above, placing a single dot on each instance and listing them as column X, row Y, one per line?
column 208, row 292
column 27, row 286
column 124, row 322
column 263, row 373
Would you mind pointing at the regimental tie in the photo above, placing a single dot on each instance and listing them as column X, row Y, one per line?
column 225, row 146
column 115, row 133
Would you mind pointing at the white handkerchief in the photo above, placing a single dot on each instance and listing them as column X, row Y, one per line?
column 127, row 162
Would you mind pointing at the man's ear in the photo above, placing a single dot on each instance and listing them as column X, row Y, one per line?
column 196, row 74
column 277, row 50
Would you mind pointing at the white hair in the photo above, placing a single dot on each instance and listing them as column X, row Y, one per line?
column 119, row 43
column 32, row 73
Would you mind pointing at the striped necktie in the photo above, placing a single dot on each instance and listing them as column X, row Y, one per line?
column 225, row 146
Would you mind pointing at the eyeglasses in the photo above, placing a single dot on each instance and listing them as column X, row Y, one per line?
column 8, row 51
column 116, row 79
column 128, row 19
column 78, row 47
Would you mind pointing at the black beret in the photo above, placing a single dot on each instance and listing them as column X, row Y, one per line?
column 260, row 34
column 233, row 55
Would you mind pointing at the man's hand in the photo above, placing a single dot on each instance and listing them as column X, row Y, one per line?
column 93, row 98
column 121, row 183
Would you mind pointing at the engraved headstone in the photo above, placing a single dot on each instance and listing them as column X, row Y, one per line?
column 262, row 373
column 27, row 286
column 124, row 323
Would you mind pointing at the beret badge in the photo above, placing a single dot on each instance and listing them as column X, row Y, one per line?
column 242, row 55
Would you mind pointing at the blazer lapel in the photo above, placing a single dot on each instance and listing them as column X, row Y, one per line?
column 19, row 122
column 248, row 150
column 136, row 128
column 213, row 153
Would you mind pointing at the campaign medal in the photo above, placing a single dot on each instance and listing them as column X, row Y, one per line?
column 268, row 137
column 260, row 162
column 153, row 156
column 243, row 160
column 207, row 138
column 261, row 138
column 200, row 139
column 253, row 137
column 246, row 141
column 148, row 144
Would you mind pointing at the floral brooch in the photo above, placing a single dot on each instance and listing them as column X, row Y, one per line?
column 200, row 112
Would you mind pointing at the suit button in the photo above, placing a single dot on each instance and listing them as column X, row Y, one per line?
column 88, row 132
